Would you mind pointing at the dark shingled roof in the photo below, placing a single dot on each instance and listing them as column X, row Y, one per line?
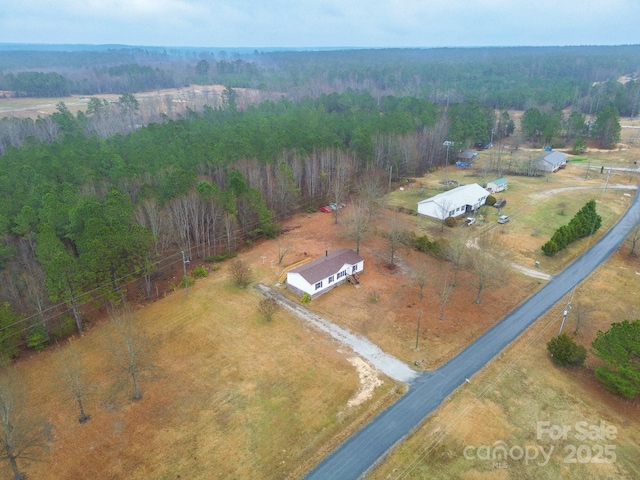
column 321, row 268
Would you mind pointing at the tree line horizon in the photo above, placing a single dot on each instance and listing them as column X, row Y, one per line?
column 93, row 200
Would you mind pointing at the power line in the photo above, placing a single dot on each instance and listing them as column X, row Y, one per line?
column 461, row 416
column 101, row 291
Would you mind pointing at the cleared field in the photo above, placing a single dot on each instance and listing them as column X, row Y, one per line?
column 235, row 397
column 231, row 396
column 177, row 100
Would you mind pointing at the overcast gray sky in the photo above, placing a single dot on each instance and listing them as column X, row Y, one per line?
column 321, row 23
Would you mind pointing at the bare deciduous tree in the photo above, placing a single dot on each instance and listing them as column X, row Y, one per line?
column 446, row 288
column 21, row 434
column 371, row 191
column 444, row 212
column 420, row 277
column 562, row 208
column 129, row 350
column 456, row 251
column 284, row 248
column 268, row 308
column 339, row 185
column 357, row 223
column 240, row 273
column 229, row 223
column 581, row 310
column 74, row 378
column 394, row 238
column 487, row 264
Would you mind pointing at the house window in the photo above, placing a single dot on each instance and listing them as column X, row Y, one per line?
column 318, row 285
column 331, row 279
column 341, row 274
column 354, row 269
column 451, row 213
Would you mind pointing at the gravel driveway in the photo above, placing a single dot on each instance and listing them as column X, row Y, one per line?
column 387, row 364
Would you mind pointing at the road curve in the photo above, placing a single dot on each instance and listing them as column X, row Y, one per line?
column 360, row 452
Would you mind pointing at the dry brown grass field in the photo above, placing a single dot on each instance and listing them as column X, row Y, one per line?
column 233, row 396
column 34, row 107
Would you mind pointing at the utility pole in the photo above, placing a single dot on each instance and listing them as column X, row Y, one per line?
column 447, row 144
column 184, row 268
column 418, row 330
column 607, row 182
column 564, row 317
column 390, row 170
column 586, row 175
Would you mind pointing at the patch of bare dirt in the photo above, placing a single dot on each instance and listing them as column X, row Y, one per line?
column 369, row 381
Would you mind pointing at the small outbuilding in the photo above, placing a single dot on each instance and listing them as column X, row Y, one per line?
column 324, row 273
column 455, row 202
column 497, row 185
column 551, row 161
column 466, row 158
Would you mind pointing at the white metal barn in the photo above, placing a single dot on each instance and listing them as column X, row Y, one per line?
column 455, row 202
column 321, row 275
column 551, row 161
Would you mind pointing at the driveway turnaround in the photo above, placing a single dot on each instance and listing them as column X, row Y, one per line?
column 361, row 452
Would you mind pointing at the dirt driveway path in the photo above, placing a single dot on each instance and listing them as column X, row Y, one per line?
column 387, row 364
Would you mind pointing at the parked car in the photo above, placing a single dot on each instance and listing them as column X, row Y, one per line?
column 470, row 221
column 503, row 219
column 500, row 203
column 332, row 207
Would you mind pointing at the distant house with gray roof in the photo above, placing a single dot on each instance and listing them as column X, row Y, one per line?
column 324, row 273
column 466, row 158
column 551, row 161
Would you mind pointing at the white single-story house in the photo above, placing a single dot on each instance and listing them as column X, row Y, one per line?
column 497, row 185
column 321, row 275
column 457, row 201
column 551, row 161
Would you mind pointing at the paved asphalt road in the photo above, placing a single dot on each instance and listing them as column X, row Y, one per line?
column 360, row 452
